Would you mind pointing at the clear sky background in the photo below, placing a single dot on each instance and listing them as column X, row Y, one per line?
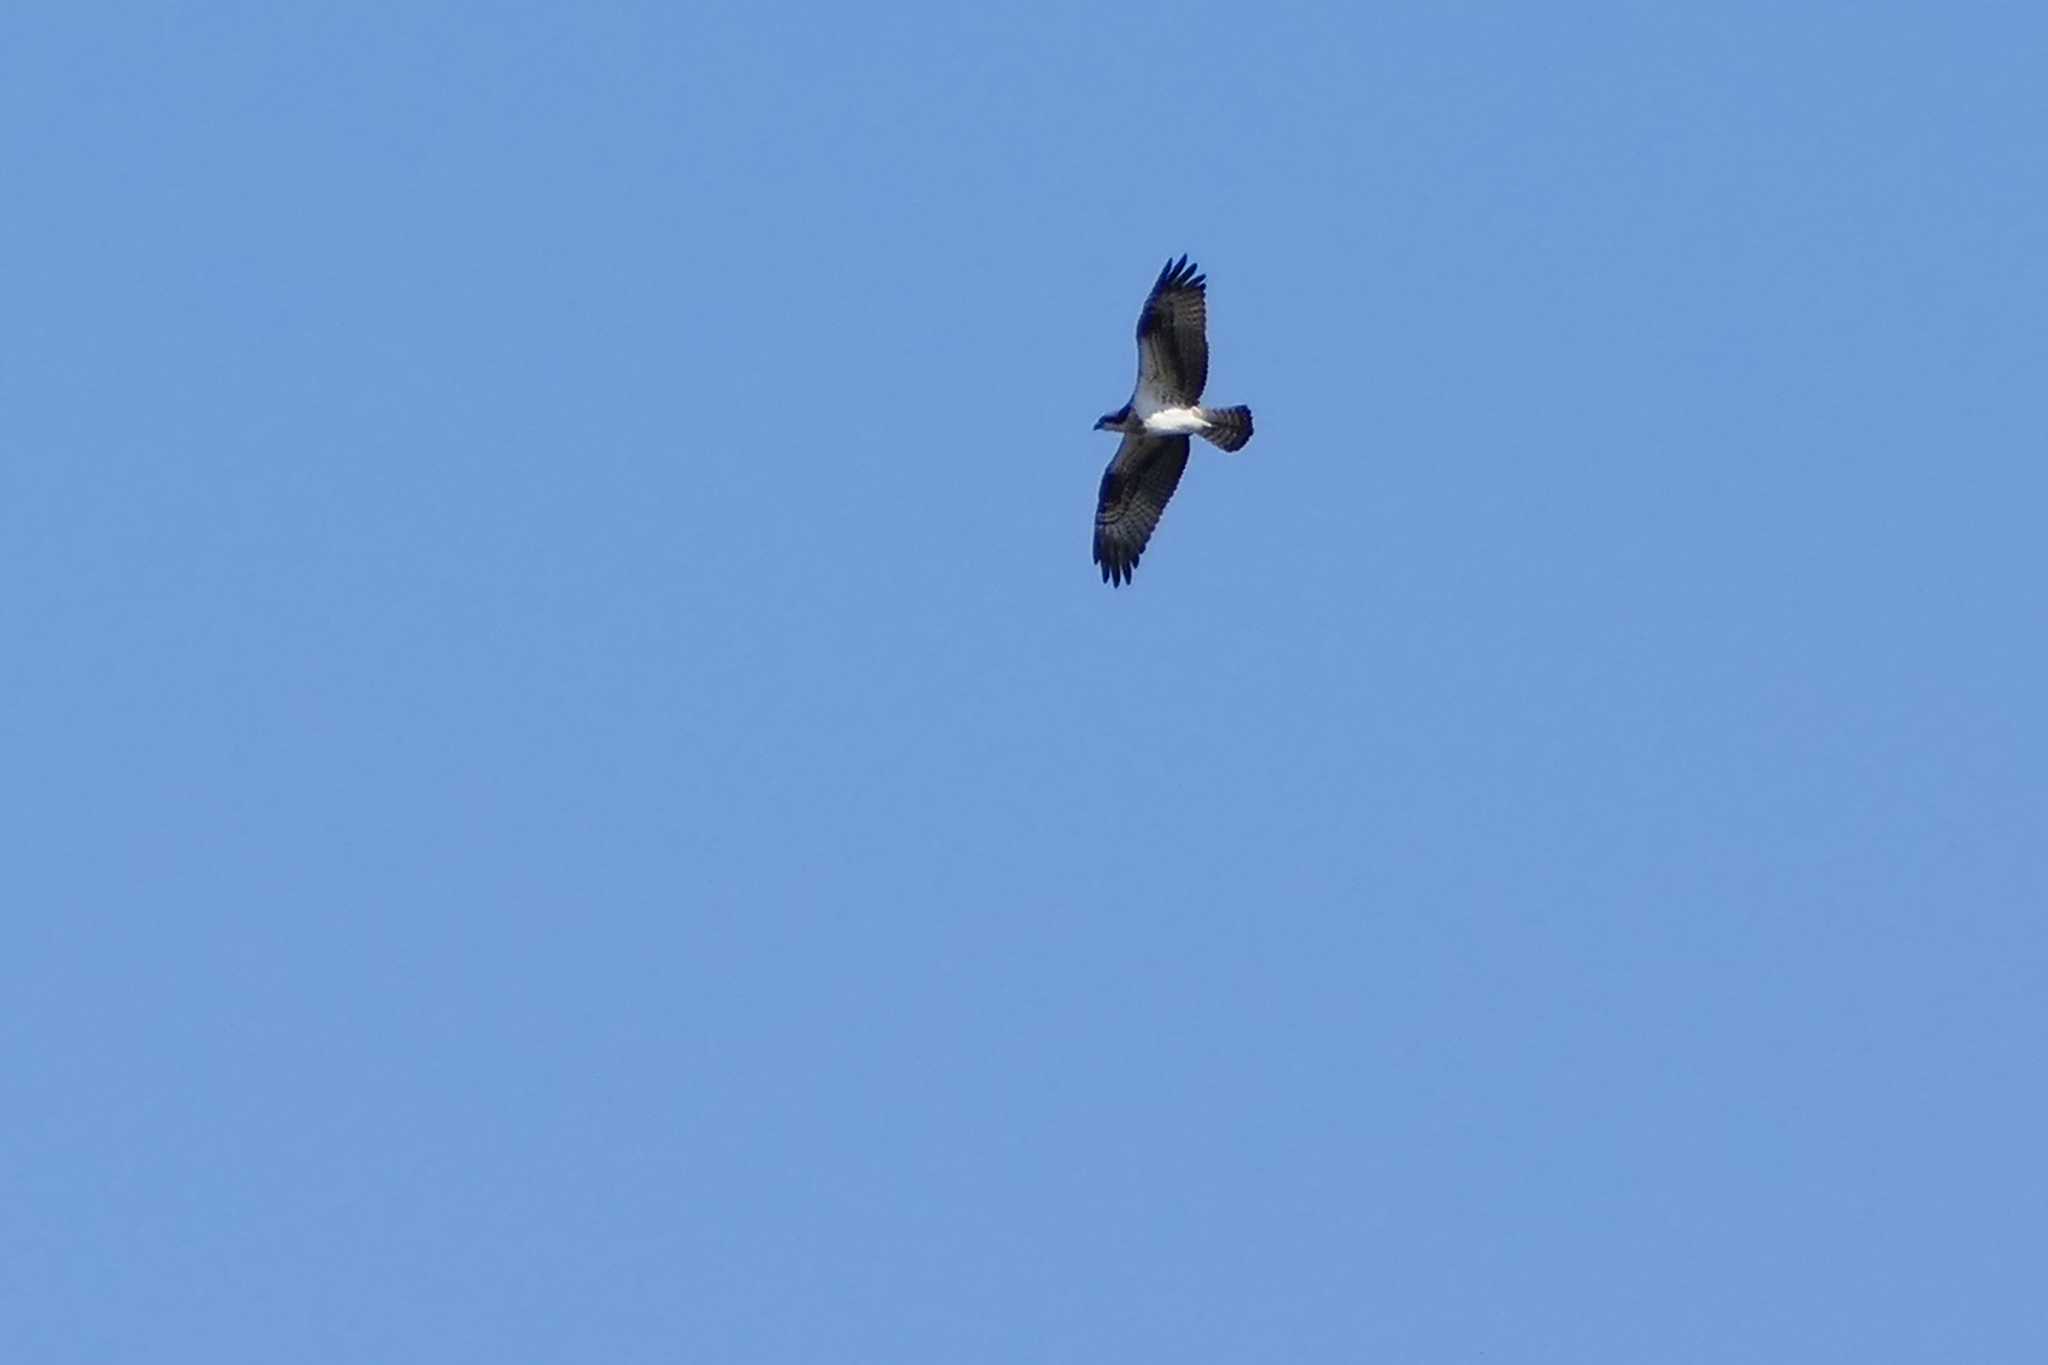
column 572, row 793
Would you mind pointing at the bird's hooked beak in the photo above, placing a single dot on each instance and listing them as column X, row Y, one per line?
column 1105, row 422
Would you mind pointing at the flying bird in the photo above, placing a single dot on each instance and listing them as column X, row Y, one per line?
column 1164, row 410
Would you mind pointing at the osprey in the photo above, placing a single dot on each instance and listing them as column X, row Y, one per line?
column 1165, row 409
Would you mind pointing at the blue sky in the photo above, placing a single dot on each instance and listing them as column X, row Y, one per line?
column 573, row 793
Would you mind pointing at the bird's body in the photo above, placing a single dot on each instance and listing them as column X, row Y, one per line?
column 1182, row 420
column 1163, row 412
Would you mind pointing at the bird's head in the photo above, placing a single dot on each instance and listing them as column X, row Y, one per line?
column 1113, row 421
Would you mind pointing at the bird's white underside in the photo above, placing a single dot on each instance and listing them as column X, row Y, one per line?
column 1171, row 421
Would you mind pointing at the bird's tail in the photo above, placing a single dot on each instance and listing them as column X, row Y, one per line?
column 1229, row 428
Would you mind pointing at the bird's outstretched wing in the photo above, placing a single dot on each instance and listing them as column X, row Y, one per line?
column 1173, row 341
column 1135, row 488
